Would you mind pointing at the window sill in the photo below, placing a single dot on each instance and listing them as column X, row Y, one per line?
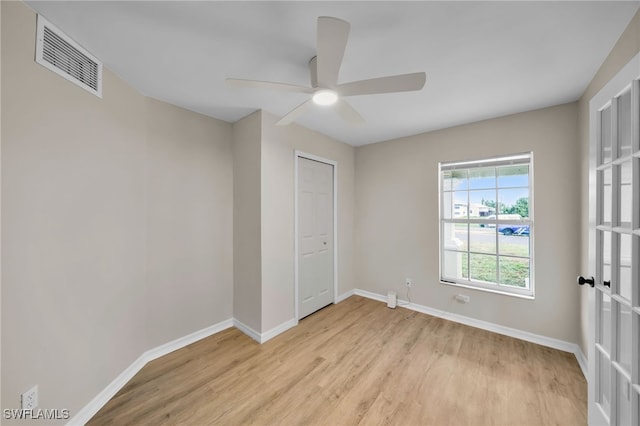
column 490, row 290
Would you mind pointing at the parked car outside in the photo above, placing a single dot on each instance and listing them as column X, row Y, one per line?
column 514, row 229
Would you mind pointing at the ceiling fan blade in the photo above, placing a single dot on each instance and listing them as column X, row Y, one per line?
column 392, row 83
column 331, row 44
column 237, row 82
column 347, row 112
column 294, row 113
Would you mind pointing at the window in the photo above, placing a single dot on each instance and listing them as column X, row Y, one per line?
column 486, row 224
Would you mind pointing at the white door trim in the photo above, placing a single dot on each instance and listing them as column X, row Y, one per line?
column 297, row 155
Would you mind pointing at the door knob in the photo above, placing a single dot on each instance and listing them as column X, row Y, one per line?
column 607, row 283
column 582, row 281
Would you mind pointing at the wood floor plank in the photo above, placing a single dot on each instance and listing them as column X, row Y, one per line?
column 356, row 363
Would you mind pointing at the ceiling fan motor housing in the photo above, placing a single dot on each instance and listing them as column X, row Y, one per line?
column 313, row 71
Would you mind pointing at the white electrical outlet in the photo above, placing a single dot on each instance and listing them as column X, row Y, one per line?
column 408, row 282
column 29, row 399
column 462, row 298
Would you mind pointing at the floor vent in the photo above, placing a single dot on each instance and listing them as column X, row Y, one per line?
column 59, row 53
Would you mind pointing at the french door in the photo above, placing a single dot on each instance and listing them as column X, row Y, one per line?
column 614, row 251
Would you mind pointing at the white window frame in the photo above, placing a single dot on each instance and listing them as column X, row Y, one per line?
column 515, row 159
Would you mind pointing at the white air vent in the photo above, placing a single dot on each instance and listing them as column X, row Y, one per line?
column 59, row 53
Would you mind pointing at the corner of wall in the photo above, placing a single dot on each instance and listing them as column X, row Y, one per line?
column 247, row 181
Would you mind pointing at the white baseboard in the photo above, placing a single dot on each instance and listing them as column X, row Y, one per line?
column 496, row 328
column 267, row 335
column 277, row 330
column 582, row 362
column 370, row 295
column 90, row 410
column 247, row 330
column 344, row 296
column 181, row 342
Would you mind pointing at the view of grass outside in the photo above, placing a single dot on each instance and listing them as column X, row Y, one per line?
column 484, row 267
column 513, row 271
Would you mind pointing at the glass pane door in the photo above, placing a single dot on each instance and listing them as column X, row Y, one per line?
column 614, row 391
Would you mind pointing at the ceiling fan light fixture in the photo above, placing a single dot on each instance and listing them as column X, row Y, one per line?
column 325, row 97
column 331, row 42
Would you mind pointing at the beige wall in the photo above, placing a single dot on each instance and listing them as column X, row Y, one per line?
column 189, row 216
column 247, row 254
column 279, row 144
column 625, row 49
column 73, row 197
column 111, row 204
column 397, row 217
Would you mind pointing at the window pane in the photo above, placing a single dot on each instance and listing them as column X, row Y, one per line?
column 513, row 240
column 454, row 264
column 455, row 236
column 625, row 266
column 455, row 180
column 606, row 248
column 624, row 124
column 513, row 176
column 513, row 202
column 606, row 196
column 624, row 333
column 605, row 383
column 514, row 272
column 605, row 321
column 605, row 135
column 447, row 205
column 460, row 201
column 464, row 259
column 482, row 178
column 483, row 203
column 483, row 267
column 625, row 206
column 624, row 400
column 482, row 239
column 447, row 183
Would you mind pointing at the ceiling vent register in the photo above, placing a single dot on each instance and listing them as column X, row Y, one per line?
column 59, row 53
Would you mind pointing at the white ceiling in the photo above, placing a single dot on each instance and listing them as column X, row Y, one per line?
column 482, row 59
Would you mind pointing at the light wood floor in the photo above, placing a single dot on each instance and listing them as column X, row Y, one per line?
column 357, row 362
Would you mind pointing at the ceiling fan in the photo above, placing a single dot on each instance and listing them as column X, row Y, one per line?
column 325, row 66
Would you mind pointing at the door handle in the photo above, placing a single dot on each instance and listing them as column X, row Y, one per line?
column 582, row 281
column 607, row 283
